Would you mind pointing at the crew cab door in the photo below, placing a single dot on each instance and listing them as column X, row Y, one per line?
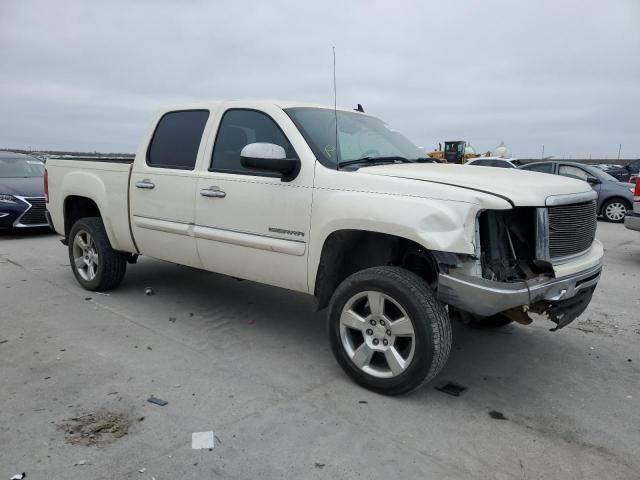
column 251, row 224
column 162, row 188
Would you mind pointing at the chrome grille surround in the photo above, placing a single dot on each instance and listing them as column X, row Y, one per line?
column 566, row 228
column 34, row 216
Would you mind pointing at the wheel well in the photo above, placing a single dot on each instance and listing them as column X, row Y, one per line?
column 76, row 208
column 620, row 199
column 346, row 252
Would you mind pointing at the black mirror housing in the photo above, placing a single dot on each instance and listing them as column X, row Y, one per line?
column 288, row 168
column 271, row 158
column 593, row 180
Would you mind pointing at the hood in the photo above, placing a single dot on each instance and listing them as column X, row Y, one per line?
column 23, row 187
column 519, row 187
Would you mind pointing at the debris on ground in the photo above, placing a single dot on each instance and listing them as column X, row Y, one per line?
column 451, row 388
column 80, row 463
column 142, row 470
column 98, row 428
column 201, row 440
column 363, row 401
column 5, row 341
column 497, row 415
column 172, row 319
column 19, row 476
column 87, row 298
column 157, row 401
column 149, row 348
column 320, row 466
column 149, row 291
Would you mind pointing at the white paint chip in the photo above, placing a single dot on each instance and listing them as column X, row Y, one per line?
column 201, row 440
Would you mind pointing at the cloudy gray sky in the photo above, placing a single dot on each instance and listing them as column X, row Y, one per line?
column 86, row 75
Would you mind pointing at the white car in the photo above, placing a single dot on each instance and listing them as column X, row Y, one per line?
column 349, row 213
column 494, row 162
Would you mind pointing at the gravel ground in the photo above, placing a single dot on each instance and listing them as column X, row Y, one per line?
column 252, row 364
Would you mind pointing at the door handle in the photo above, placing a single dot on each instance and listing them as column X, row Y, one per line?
column 146, row 183
column 212, row 192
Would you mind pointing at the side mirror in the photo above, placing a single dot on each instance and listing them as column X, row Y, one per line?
column 593, row 180
column 270, row 157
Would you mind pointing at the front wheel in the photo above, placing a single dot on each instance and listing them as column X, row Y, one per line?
column 614, row 210
column 388, row 331
column 95, row 264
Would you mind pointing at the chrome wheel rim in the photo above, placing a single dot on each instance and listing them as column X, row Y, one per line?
column 615, row 211
column 85, row 255
column 377, row 334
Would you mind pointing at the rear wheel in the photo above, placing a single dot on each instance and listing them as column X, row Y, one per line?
column 614, row 210
column 387, row 330
column 95, row 264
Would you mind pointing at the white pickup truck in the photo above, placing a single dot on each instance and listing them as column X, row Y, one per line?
column 340, row 206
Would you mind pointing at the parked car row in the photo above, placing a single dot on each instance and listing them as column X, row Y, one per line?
column 615, row 197
column 624, row 173
column 632, row 219
column 22, row 199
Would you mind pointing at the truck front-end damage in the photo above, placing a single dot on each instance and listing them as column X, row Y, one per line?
column 543, row 260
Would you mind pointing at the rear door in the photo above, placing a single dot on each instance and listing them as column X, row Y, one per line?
column 255, row 226
column 163, row 186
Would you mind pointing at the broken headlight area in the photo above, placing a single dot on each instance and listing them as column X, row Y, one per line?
column 508, row 245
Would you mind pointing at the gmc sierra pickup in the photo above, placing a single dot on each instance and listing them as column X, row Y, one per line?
column 338, row 205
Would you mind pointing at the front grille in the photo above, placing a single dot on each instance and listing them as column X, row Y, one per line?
column 572, row 229
column 35, row 214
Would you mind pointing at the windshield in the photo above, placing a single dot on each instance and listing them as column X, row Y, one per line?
column 601, row 174
column 20, row 168
column 359, row 136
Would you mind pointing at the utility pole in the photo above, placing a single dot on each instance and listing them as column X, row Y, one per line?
column 619, row 148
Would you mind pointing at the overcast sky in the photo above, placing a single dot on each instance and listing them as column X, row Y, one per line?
column 87, row 75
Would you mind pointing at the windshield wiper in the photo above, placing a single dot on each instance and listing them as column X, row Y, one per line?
column 394, row 159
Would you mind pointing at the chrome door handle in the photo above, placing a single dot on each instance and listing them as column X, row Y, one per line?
column 212, row 192
column 146, row 183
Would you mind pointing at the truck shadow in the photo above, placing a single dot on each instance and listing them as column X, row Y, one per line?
column 503, row 366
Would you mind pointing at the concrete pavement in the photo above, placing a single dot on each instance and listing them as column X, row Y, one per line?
column 252, row 363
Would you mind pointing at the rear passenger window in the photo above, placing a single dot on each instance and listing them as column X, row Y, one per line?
column 176, row 140
column 239, row 128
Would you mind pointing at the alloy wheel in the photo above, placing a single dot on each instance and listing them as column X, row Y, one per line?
column 377, row 334
column 85, row 255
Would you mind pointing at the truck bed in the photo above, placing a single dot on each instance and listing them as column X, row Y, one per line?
column 103, row 181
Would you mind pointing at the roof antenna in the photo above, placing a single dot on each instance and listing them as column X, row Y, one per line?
column 335, row 105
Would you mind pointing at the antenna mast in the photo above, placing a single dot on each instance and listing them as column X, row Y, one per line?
column 335, row 103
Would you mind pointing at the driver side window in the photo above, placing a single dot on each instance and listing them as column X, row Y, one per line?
column 237, row 129
column 573, row 172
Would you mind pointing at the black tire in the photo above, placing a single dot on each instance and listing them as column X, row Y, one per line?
column 112, row 264
column 428, row 317
column 610, row 202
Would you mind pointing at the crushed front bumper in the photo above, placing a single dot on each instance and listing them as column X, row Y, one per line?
column 563, row 298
